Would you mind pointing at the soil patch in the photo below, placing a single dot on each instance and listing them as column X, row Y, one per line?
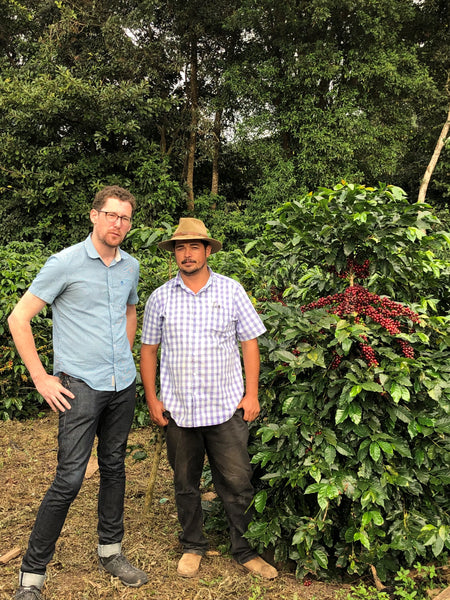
column 27, row 464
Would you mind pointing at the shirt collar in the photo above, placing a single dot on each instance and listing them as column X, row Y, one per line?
column 179, row 281
column 92, row 252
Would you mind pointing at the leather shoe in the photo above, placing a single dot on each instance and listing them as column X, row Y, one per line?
column 260, row 567
column 28, row 593
column 118, row 566
column 189, row 564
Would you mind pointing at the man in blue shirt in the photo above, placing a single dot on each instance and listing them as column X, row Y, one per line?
column 92, row 289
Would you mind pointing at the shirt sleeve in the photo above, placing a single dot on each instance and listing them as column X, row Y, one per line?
column 153, row 320
column 133, row 298
column 50, row 282
column 249, row 324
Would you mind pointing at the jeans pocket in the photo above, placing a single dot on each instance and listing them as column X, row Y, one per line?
column 65, row 380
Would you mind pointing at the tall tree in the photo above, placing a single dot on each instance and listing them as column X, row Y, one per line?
column 442, row 141
column 432, row 36
column 196, row 104
column 205, row 37
column 336, row 93
column 80, row 106
column 192, row 143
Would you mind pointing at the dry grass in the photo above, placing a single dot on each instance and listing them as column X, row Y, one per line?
column 27, row 463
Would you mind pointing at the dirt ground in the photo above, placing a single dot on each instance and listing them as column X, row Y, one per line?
column 27, row 463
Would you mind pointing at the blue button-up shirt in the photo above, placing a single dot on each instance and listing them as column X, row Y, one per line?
column 201, row 380
column 89, row 302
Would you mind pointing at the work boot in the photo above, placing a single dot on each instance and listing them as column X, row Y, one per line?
column 118, row 566
column 260, row 567
column 28, row 593
column 189, row 564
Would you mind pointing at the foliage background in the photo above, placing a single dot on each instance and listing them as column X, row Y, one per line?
column 339, row 445
column 232, row 112
column 354, row 446
column 223, row 109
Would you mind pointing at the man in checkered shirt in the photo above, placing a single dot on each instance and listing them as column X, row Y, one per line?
column 198, row 319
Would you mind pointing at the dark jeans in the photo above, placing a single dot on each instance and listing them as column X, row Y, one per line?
column 109, row 415
column 226, row 448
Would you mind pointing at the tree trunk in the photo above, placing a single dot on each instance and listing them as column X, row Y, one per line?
column 216, row 153
column 437, row 151
column 193, row 84
column 154, row 470
column 163, row 139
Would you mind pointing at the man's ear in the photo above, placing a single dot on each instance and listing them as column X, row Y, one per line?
column 93, row 215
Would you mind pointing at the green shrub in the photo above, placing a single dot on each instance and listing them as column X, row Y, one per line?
column 19, row 263
column 406, row 584
column 353, row 449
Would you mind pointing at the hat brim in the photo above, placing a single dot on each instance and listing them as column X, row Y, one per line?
column 169, row 244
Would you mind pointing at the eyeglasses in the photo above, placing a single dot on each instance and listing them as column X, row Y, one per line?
column 112, row 217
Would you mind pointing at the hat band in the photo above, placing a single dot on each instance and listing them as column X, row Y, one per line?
column 188, row 233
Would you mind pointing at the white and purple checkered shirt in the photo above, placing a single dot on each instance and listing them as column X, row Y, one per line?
column 201, row 380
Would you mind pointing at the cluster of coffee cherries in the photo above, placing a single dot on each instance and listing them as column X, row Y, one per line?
column 276, row 296
column 337, row 359
column 407, row 349
column 368, row 353
column 360, row 271
column 358, row 302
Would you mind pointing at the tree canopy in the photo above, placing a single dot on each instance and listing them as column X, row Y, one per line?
column 197, row 105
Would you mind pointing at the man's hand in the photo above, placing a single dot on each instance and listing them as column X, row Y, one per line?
column 250, row 356
column 53, row 392
column 19, row 321
column 250, row 404
column 156, row 410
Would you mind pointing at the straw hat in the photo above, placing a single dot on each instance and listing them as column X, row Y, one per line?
column 189, row 230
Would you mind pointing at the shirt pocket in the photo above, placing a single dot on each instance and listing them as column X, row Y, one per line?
column 121, row 289
column 222, row 326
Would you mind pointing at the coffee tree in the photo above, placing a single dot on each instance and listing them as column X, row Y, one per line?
column 19, row 264
column 353, row 449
